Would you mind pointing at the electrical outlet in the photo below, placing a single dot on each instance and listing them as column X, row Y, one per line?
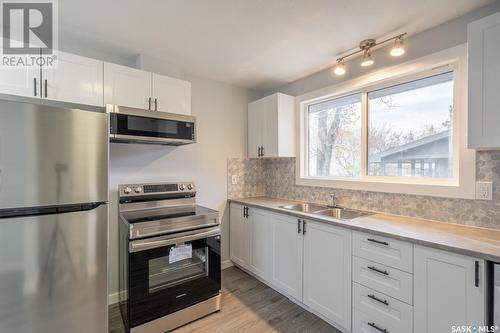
column 484, row 190
column 234, row 179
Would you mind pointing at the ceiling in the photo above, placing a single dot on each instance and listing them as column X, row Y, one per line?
column 260, row 44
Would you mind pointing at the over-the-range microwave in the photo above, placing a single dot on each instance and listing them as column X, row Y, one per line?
column 132, row 125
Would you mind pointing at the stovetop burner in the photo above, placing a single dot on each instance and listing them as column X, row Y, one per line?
column 171, row 209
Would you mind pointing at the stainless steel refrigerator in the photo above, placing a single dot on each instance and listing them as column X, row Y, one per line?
column 53, row 217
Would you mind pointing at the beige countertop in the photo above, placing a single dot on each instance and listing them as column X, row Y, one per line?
column 478, row 242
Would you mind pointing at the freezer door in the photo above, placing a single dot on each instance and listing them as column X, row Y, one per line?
column 53, row 273
column 51, row 155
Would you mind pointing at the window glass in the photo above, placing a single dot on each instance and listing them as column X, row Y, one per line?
column 410, row 129
column 334, row 137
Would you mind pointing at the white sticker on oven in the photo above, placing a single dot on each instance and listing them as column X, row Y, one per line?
column 180, row 252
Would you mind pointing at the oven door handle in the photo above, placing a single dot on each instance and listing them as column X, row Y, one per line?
column 145, row 244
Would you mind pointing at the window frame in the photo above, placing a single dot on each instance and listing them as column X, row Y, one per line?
column 460, row 185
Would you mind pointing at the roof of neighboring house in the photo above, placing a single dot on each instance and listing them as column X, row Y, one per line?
column 407, row 148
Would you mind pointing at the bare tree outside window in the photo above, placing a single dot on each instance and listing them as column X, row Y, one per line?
column 335, row 137
column 409, row 130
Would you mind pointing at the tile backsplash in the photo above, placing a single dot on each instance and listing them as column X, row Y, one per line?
column 275, row 177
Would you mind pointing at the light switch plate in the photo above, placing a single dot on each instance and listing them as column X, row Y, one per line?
column 234, row 179
column 484, row 190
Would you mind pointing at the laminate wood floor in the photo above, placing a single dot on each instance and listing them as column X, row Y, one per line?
column 247, row 306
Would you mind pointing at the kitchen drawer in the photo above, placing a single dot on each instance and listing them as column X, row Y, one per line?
column 383, row 250
column 384, row 279
column 380, row 308
column 364, row 323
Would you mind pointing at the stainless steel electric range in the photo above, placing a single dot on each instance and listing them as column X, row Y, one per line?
column 170, row 271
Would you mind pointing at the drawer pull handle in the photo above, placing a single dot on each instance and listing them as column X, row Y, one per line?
column 377, row 241
column 378, row 270
column 378, row 328
column 375, row 298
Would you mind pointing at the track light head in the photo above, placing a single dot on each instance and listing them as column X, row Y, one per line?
column 367, row 59
column 339, row 68
column 398, row 47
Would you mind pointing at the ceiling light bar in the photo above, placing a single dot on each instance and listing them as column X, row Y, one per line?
column 365, row 46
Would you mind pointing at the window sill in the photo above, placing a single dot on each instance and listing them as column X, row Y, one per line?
column 431, row 187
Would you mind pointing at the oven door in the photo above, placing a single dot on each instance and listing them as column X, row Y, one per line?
column 172, row 272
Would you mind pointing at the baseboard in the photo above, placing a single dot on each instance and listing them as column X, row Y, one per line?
column 226, row 264
column 113, row 298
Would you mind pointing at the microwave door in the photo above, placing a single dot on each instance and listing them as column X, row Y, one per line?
column 136, row 128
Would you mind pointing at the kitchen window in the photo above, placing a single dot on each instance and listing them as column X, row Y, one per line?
column 394, row 131
column 410, row 128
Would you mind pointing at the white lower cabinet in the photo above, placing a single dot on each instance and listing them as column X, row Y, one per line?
column 238, row 236
column 286, row 254
column 259, row 261
column 388, row 280
column 314, row 264
column 449, row 290
column 377, row 310
column 327, row 271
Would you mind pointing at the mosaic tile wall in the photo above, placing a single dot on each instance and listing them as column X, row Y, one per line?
column 276, row 178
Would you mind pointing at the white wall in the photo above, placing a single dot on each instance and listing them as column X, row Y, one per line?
column 221, row 114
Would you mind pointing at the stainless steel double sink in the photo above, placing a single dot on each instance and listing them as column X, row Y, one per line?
column 335, row 212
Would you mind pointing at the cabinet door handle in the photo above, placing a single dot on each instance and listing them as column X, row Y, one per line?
column 34, row 81
column 156, row 104
column 149, row 103
column 262, row 151
column 45, row 84
column 378, row 270
column 377, row 241
column 476, row 273
column 303, row 227
column 299, row 229
column 375, row 298
column 378, row 328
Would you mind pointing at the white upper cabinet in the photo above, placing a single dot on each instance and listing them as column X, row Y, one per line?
column 449, row 290
column 327, row 271
column 484, row 80
column 171, row 95
column 76, row 79
column 127, row 86
column 271, row 126
column 20, row 81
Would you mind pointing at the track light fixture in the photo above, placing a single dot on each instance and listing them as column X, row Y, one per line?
column 398, row 48
column 339, row 68
column 367, row 59
column 366, row 46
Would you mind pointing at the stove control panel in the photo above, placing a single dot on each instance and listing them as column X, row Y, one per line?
column 161, row 188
